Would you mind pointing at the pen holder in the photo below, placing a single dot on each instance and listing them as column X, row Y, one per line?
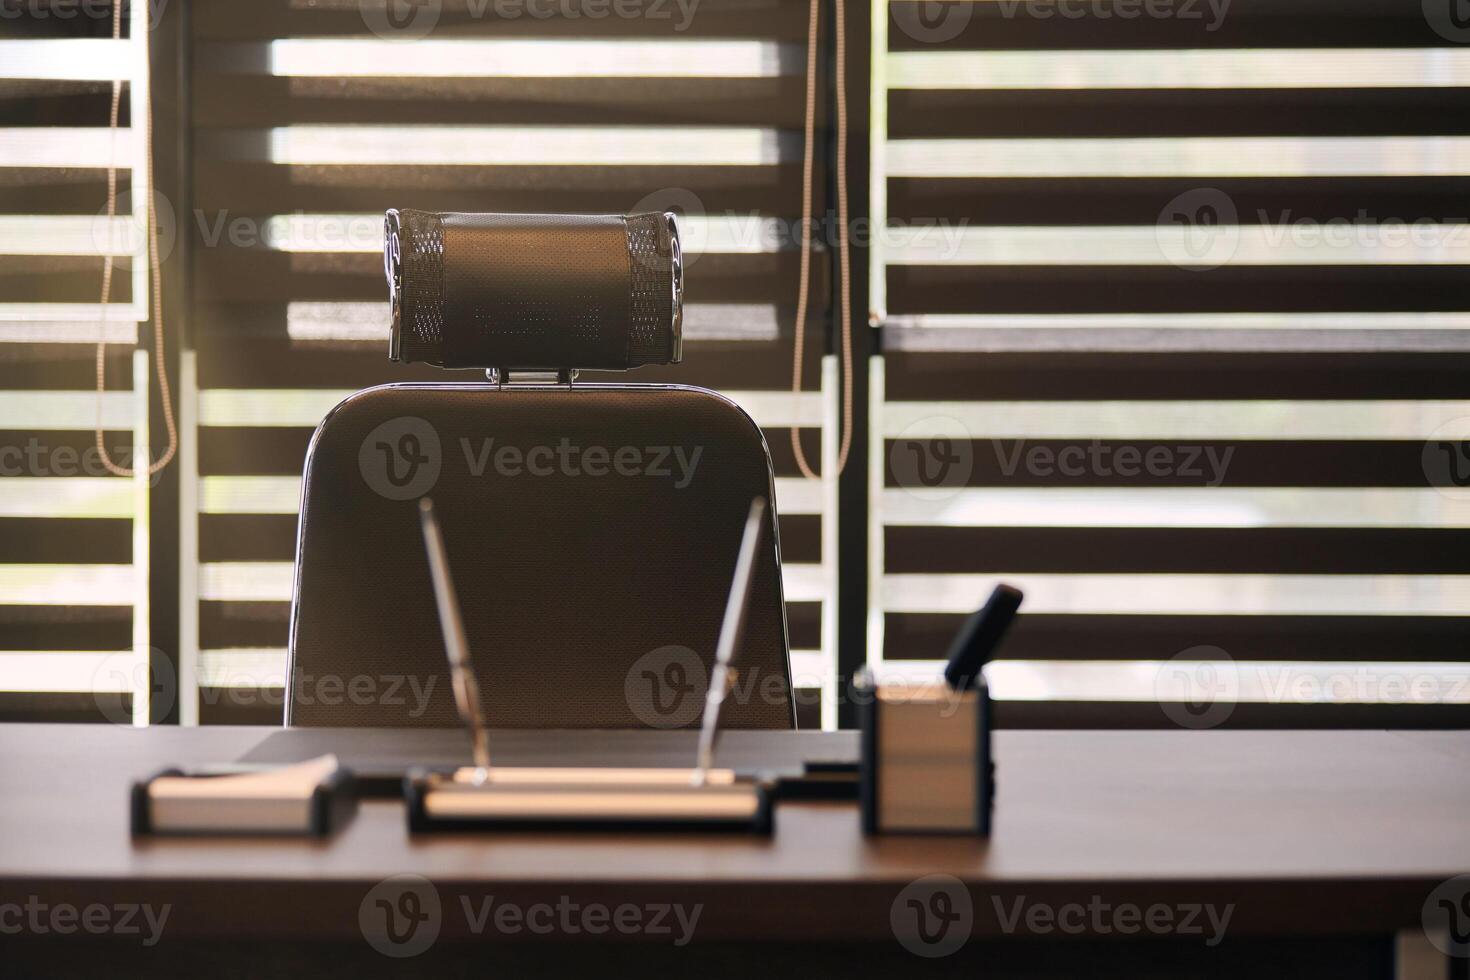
column 571, row 799
column 926, row 765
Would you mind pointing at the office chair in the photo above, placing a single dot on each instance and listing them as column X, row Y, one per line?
column 591, row 528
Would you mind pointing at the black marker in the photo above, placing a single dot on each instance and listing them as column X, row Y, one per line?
column 979, row 637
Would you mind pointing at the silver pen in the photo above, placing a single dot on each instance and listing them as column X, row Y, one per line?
column 461, row 669
column 732, row 631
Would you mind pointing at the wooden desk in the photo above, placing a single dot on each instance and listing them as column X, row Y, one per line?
column 1305, row 834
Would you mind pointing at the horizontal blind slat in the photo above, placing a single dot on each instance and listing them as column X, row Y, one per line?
column 1042, row 186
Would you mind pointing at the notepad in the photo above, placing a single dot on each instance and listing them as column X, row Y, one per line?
column 301, row 799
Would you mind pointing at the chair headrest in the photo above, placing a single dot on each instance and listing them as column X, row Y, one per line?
column 534, row 292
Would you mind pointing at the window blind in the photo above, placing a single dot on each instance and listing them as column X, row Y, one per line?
column 73, row 539
column 1173, row 306
column 310, row 120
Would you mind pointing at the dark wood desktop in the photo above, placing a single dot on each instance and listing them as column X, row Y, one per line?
column 1323, row 845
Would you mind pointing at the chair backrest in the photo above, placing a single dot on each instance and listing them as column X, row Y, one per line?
column 591, row 529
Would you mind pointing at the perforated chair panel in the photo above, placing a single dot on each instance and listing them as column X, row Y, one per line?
column 534, row 290
column 580, row 579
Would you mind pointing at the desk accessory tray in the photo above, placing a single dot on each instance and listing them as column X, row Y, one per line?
column 311, row 798
column 572, row 799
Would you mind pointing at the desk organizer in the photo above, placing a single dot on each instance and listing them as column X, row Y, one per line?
column 312, row 798
column 586, row 799
column 926, row 766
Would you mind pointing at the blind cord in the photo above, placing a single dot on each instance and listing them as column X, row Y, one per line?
column 153, row 267
column 844, row 276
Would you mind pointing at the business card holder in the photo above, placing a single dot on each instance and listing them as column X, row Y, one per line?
column 574, row 799
column 312, row 798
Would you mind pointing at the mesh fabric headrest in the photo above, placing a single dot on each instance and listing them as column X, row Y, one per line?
column 534, row 291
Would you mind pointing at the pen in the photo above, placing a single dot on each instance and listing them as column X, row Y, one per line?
column 979, row 637
column 732, row 631
column 461, row 670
